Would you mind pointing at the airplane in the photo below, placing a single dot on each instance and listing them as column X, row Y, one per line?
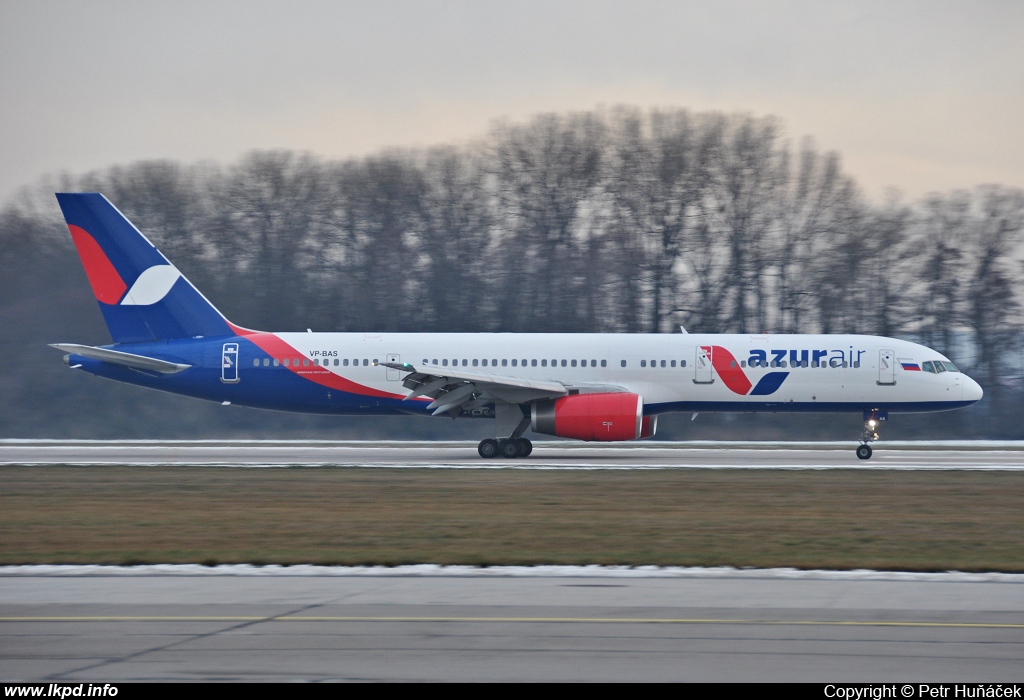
column 602, row 387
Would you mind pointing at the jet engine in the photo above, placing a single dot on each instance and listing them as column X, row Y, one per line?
column 593, row 417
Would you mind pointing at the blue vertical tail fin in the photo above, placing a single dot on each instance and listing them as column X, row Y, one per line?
column 143, row 297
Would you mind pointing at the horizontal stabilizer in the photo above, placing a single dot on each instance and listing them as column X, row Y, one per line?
column 116, row 357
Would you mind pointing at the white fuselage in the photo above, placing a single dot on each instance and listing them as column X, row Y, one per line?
column 670, row 372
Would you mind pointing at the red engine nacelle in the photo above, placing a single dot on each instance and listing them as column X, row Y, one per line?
column 600, row 417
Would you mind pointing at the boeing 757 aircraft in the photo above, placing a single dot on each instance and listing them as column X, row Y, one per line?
column 601, row 387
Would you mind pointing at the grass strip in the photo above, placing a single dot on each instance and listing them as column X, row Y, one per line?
column 834, row 519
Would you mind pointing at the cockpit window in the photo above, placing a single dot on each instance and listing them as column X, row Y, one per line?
column 950, row 367
column 939, row 367
column 927, row 367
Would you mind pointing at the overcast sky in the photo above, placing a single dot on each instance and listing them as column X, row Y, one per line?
column 919, row 95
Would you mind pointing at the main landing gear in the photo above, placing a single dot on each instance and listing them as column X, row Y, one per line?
column 509, row 448
column 870, row 432
column 509, row 418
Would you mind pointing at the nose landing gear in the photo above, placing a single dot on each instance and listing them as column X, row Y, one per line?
column 870, row 432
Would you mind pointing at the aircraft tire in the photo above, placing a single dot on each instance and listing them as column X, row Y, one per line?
column 525, row 447
column 864, row 452
column 510, row 449
column 488, row 448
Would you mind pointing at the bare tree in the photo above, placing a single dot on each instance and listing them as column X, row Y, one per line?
column 658, row 174
column 743, row 196
column 547, row 172
column 456, row 236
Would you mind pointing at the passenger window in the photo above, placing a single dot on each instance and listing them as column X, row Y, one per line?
column 504, row 363
column 266, row 361
column 285, row 362
column 277, row 362
column 365, row 362
column 494, row 363
column 743, row 363
column 663, row 363
column 622, row 363
column 514, row 362
column 672, row 363
column 522, row 363
column 345, row 362
column 444, row 363
column 856, row 365
column 433, row 362
column 543, row 363
column 604, row 363
column 533, row 363
column 682, row 363
column 255, row 362
column 316, row 362
column 643, row 363
column 573, row 363
column 564, row 363
column 732, row 364
column 305, row 362
column 476, row 362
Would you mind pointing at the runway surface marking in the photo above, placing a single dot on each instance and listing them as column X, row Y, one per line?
column 925, row 456
column 448, row 618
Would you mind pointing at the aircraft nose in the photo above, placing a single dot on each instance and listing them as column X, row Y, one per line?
column 972, row 390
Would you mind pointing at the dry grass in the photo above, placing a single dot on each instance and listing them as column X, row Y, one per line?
column 808, row 519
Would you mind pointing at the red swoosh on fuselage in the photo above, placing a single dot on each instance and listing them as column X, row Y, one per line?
column 279, row 350
column 728, row 369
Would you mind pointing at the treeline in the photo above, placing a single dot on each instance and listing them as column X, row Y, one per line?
column 616, row 221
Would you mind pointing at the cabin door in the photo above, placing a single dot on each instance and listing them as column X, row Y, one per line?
column 229, row 363
column 702, row 366
column 886, row 367
column 393, row 374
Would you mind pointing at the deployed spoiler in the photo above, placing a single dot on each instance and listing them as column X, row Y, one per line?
column 116, row 357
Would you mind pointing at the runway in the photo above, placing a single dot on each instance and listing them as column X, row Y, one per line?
column 989, row 455
column 710, row 626
column 548, row 623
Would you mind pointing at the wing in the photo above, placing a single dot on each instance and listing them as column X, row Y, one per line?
column 454, row 390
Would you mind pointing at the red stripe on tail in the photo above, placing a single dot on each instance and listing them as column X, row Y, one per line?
column 106, row 284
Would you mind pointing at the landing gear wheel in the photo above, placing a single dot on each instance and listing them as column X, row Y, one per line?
column 488, row 448
column 525, row 447
column 864, row 452
column 510, row 449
